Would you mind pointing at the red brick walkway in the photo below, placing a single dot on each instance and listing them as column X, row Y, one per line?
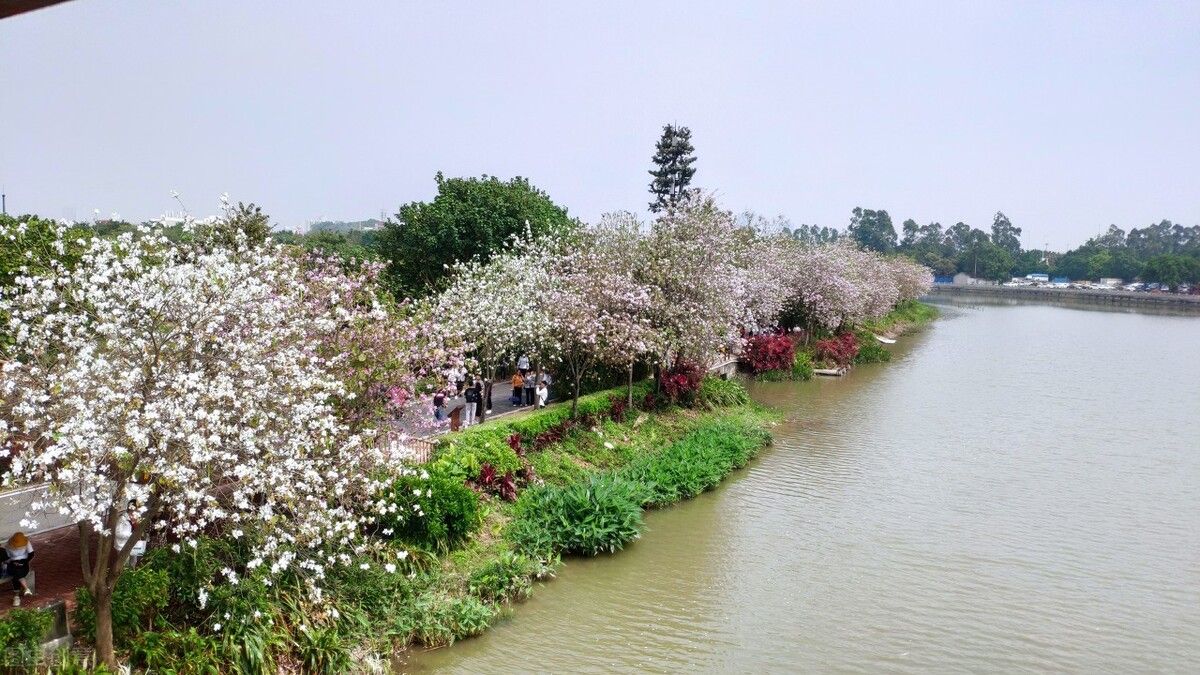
column 58, row 569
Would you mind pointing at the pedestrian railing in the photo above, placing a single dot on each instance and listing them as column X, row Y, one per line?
column 402, row 447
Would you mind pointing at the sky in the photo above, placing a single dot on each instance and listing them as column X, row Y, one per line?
column 1067, row 116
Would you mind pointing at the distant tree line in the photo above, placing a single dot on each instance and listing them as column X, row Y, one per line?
column 1164, row 252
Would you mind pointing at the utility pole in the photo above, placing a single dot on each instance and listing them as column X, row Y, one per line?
column 4, row 204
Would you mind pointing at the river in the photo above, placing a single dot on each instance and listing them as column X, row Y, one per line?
column 1018, row 490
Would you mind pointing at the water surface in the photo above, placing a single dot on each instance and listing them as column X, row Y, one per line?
column 1019, row 490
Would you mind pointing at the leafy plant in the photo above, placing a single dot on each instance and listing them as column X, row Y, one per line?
column 463, row 459
column 439, row 512
column 839, row 350
column 681, row 381
column 600, row 514
column 320, row 649
column 141, row 594
column 717, row 393
column 802, row 366
column 505, row 578
column 771, row 351
column 21, row 635
column 180, row 652
column 697, row 462
column 871, row 351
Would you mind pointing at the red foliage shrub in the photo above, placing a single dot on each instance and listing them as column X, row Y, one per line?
column 773, row 351
column 682, row 380
column 514, row 442
column 616, row 408
column 841, row 350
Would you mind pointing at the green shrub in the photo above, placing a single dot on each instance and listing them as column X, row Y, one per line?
column 802, row 366
column 440, row 619
column 508, row 577
column 870, row 350
column 717, row 393
column 140, row 595
column 446, row 511
column 696, row 462
column 320, row 649
column 21, row 635
column 601, row 514
column 181, row 652
column 462, row 458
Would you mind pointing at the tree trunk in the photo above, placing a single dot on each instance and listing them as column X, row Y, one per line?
column 575, row 398
column 629, row 390
column 104, row 626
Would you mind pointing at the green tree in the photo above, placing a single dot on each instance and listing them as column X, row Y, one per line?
column 992, row 262
column 1172, row 270
column 673, row 170
column 246, row 219
column 873, row 229
column 1005, row 235
column 469, row 218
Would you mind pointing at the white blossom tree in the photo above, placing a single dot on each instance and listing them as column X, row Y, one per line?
column 494, row 310
column 181, row 379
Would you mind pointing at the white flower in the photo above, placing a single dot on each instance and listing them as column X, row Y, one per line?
column 391, row 568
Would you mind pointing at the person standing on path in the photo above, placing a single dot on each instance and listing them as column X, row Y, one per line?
column 439, row 406
column 460, row 380
column 19, row 552
column 546, row 380
column 517, row 383
column 472, row 400
column 523, row 365
column 478, row 399
column 530, row 386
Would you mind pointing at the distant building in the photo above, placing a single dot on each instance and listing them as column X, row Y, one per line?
column 1038, row 276
column 1111, row 281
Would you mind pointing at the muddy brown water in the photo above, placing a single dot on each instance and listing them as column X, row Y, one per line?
column 1017, row 491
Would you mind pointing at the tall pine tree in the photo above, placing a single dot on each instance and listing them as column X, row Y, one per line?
column 673, row 169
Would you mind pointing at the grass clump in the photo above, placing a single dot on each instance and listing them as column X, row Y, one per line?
column 698, row 461
column 598, row 515
column 870, row 350
column 717, row 393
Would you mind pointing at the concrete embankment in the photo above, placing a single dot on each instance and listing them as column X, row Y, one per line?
column 1070, row 297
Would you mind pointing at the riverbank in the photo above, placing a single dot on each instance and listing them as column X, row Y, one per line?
column 497, row 508
column 1072, row 297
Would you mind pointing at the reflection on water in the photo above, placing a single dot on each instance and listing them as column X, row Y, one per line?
column 1018, row 490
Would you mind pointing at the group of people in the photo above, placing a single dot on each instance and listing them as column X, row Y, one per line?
column 528, row 388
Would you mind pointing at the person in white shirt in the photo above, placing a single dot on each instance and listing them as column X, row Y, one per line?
column 18, row 552
column 542, row 394
column 124, row 531
column 523, row 364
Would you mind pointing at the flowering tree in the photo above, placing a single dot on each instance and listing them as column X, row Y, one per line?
column 380, row 350
column 494, row 310
column 595, row 306
column 182, row 379
column 823, row 292
column 695, row 305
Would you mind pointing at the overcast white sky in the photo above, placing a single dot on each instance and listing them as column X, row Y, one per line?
column 1067, row 116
